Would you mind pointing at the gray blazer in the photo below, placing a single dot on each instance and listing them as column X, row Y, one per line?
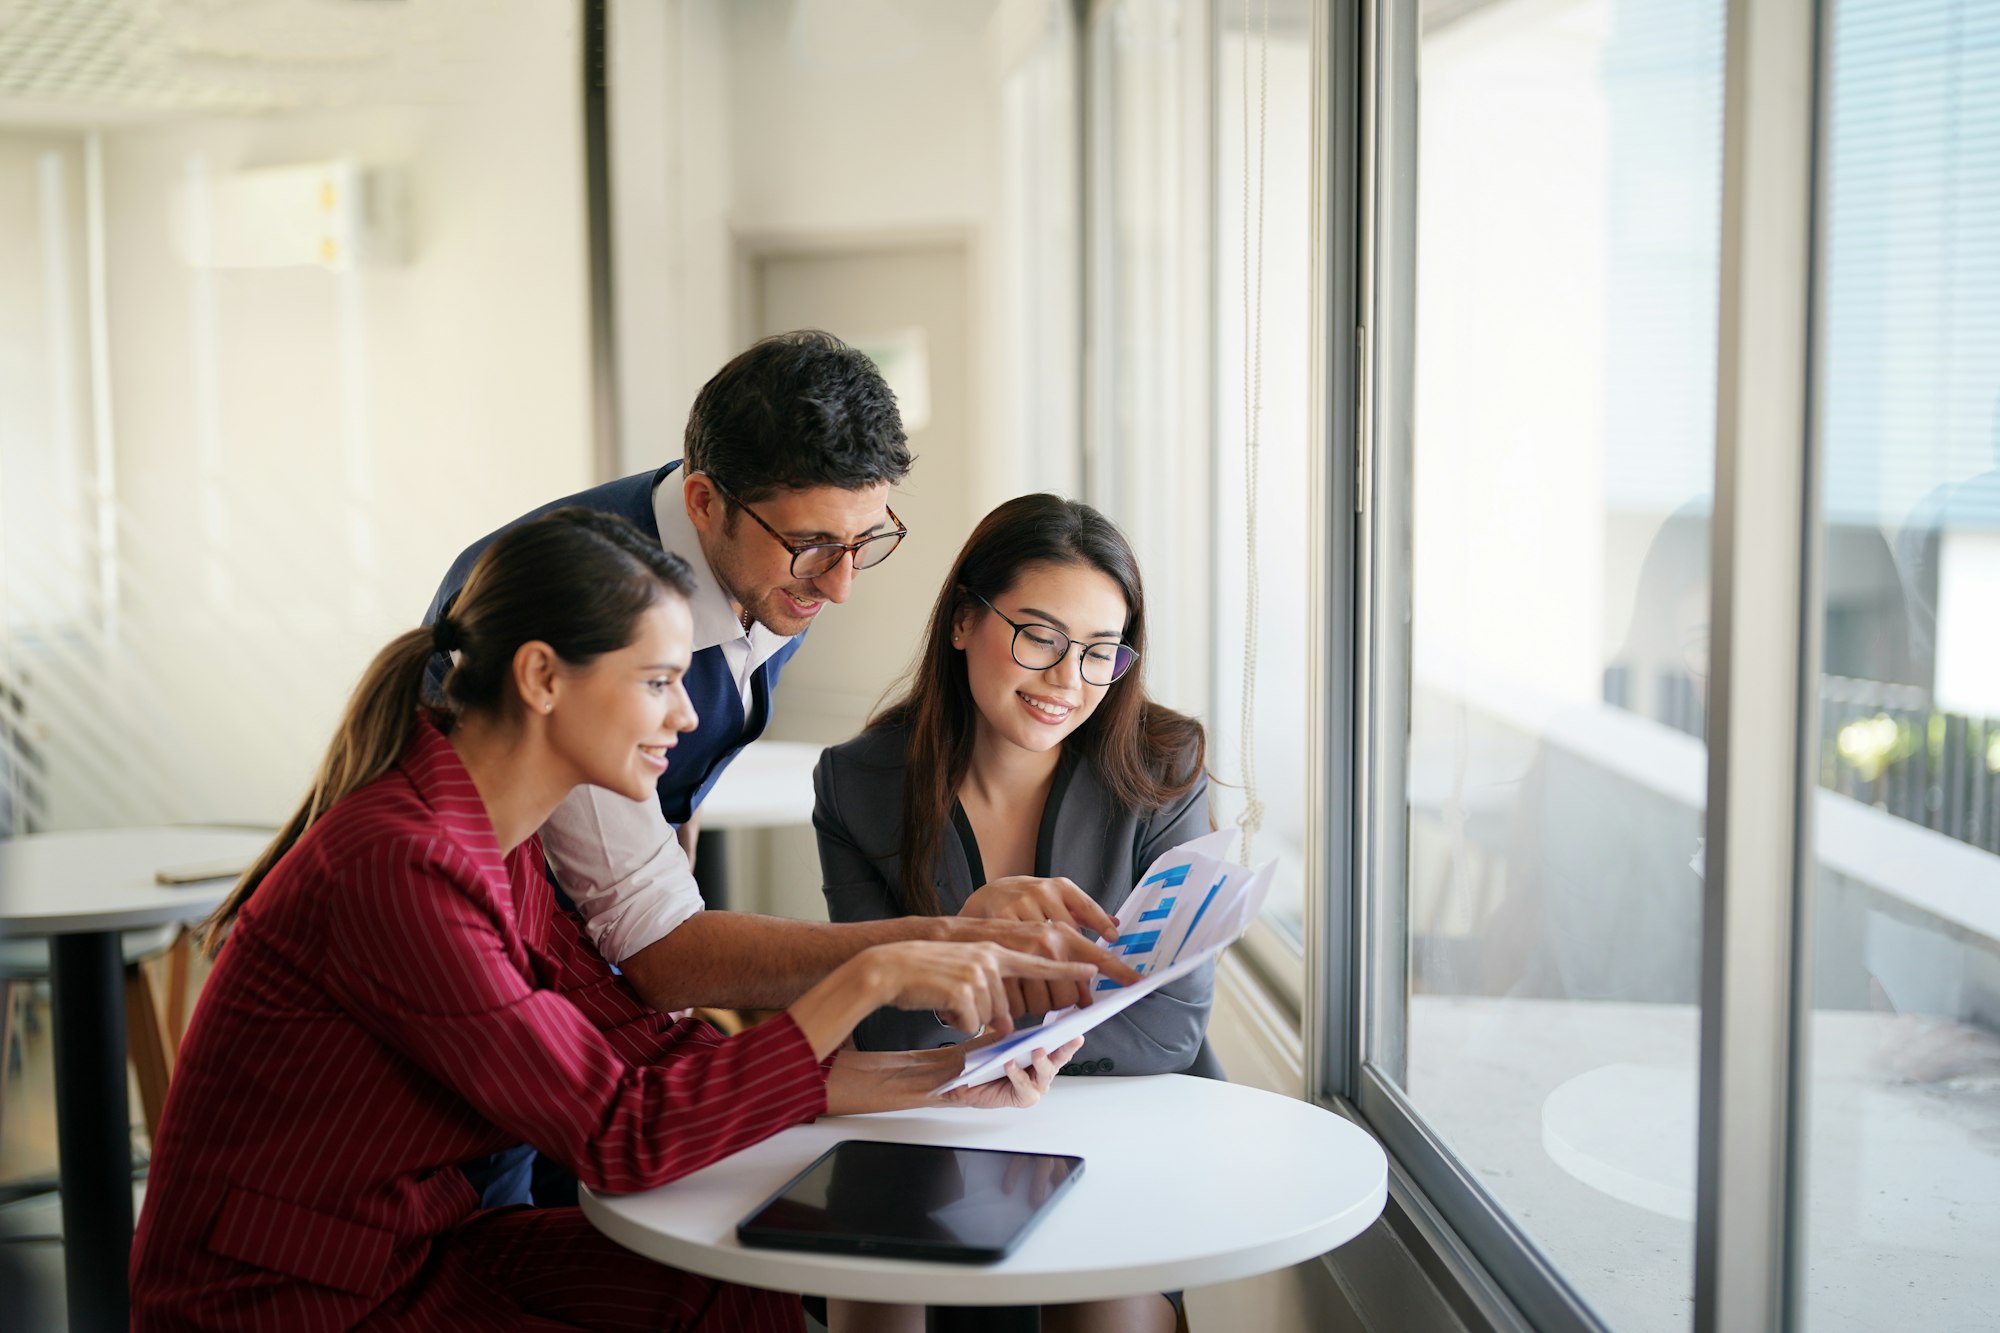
column 1084, row 835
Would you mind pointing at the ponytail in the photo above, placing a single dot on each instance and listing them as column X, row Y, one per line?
column 575, row 579
column 370, row 738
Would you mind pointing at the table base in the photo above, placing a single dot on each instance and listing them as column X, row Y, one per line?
column 711, row 868
column 94, row 1149
column 983, row 1319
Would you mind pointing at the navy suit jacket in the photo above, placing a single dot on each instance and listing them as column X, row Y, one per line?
column 705, row 752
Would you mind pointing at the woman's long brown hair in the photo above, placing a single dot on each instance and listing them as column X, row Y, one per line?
column 575, row 579
column 1146, row 754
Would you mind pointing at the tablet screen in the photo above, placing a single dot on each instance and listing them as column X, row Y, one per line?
column 912, row 1200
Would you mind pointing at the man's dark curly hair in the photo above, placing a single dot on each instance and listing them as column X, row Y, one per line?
column 795, row 411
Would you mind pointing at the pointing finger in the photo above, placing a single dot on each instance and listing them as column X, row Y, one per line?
column 1017, row 964
column 1084, row 910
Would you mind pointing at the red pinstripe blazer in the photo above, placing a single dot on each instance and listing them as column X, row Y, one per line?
column 395, row 999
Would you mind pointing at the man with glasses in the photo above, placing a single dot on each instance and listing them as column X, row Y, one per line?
column 801, row 436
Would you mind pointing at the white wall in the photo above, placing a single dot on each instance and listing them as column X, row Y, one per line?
column 800, row 124
column 810, row 128
column 671, row 202
column 300, row 452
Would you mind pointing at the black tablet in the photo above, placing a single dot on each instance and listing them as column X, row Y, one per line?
column 912, row 1201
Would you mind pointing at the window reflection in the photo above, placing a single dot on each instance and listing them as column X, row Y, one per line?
column 1904, row 1057
column 1567, row 268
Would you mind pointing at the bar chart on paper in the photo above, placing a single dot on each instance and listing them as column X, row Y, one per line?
column 1190, row 905
column 1188, row 901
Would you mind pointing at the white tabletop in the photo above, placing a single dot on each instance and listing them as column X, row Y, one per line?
column 102, row 879
column 1187, row 1182
column 768, row 785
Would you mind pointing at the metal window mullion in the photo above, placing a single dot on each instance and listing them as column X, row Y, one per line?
column 1763, row 665
column 1335, row 705
column 1385, row 328
column 1361, row 909
column 1502, row 1270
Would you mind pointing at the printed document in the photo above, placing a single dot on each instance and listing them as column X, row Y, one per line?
column 1190, row 905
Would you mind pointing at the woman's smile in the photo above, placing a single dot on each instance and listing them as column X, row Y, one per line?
column 1051, row 712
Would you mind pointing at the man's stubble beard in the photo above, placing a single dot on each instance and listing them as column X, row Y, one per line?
column 767, row 610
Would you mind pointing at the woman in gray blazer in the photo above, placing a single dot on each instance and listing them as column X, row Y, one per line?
column 1024, row 772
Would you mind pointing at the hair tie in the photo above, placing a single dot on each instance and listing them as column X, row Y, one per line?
column 444, row 635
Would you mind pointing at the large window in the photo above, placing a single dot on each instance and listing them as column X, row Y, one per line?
column 1198, row 216
column 1263, row 351
column 1548, row 903
column 1902, row 1188
column 1694, row 308
column 1146, row 396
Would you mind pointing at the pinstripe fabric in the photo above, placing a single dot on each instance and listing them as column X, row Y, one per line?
column 398, row 998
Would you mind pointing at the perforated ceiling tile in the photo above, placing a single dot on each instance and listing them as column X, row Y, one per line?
column 122, row 57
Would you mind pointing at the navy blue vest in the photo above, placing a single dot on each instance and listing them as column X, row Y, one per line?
column 705, row 752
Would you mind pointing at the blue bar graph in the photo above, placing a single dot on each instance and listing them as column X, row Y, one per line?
column 1198, row 914
column 1135, row 947
column 1173, row 877
column 1160, row 913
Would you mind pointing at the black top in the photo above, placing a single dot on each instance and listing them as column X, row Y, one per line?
column 1085, row 835
column 1045, row 838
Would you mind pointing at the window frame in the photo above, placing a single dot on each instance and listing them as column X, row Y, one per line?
column 1748, row 1243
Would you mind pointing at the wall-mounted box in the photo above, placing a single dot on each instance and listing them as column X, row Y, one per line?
column 334, row 215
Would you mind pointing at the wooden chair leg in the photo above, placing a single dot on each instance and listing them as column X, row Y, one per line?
column 6, row 1042
column 180, row 957
column 146, row 1042
column 728, row 1021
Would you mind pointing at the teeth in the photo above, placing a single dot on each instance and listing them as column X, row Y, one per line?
column 1051, row 709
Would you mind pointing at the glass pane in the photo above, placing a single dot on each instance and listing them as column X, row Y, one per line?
column 1567, row 270
column 281, row 332
column 1146, row 448
column 1263, row 275
column 1903, row 1098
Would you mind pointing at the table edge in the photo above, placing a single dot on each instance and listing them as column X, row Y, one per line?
column 856, row 1277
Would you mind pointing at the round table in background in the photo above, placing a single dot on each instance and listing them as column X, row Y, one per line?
column 81, row 891
column 768, row 785
column 1187, row 1182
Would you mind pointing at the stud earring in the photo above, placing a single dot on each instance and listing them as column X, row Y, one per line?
column 548, row 706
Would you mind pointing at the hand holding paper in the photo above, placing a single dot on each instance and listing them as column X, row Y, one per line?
column 1189, row 906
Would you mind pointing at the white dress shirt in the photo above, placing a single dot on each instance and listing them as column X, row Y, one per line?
column 618, row 859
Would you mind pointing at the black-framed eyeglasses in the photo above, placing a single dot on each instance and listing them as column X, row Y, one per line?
column 812, row 559
column 1039, row 647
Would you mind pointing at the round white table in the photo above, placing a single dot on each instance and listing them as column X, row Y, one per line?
column 768, row 785
column 1187, row 1182
column 81, row 890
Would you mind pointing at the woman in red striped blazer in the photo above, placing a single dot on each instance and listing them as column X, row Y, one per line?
column 399, row 993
